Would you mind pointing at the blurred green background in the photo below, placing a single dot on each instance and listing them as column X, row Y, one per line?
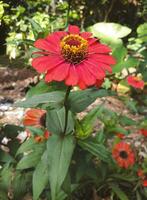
column 25, row 20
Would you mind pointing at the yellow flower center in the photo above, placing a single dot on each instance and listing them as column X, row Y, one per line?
column 74, row 48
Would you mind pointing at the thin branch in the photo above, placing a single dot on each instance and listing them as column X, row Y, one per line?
column 66, row 109
column 109, row 11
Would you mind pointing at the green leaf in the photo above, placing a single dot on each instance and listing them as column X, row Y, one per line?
column 142, row 32
column 40, row 88
column 53, row 99
column 3, row 195
column 56, row 120
column 107, row 83
column 118, row 129
column 5, row 177
column 109, row 30
column 95, row 149
column 90, row 118
column 31, row 159
column 61, row 195
column 130, row 62
column 79, row 100
column 35, row 130
column 21, row 184
column 5, row 157
column 60, row 151
column 36, row 28
column 126, row 121
column 66, row 186
column 131, row 104
column 119, row 53
column 119, row 192
column 108, row 117
column 84, row 127
column 27, row 146
column 40, row 177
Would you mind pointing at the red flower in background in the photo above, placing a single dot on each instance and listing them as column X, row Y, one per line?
column 123, row 155
column 144, row 183
column 42, row 138
column 99, row 83
column 135, row 82
column 140, row 173
column 120, row 135
column 34, row 117
column 73, row 57
column 47, row 134
column 143, row 177
column 143, row 132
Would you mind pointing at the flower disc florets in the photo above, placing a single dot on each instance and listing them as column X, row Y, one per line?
column 74, row 48
column 123, row 154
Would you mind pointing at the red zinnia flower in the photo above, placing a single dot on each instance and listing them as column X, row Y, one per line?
column 143, row 132
column 73, row 57
column 120, row 135
column 143, row 177
column 34, row 117
column 144, row 183
column 135, row 81
column 123, row 155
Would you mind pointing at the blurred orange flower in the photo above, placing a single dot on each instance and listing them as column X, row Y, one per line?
column 123, row 155
column 34, row 117
column 135, row 82
column 143, row 132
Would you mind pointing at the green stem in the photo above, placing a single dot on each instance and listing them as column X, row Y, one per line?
column 66, row 108
column 68, row 12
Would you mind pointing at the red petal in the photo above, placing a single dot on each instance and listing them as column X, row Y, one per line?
column 58, row 35
column 99, row 48
column 41, row 53
column 72, row 78
column 55, row 38
column 73, row 29
column 81, row 84
column 105, row 67
column 95, row 69
column 59, row 73
column 85, row 75
column 46, row 45
column 85, row 35
column 107, row 59
column 92, row 41
column 44, row 63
